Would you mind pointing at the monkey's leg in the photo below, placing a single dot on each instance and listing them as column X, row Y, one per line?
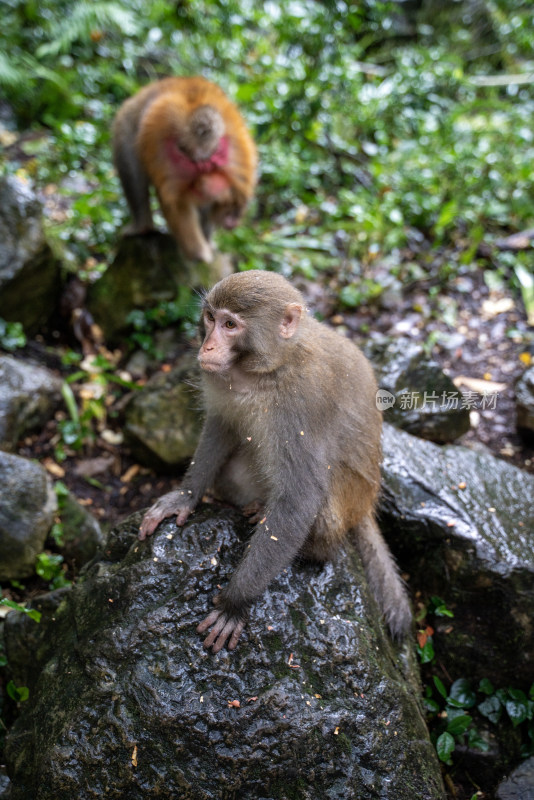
column 135, row 184
column 183, row 220
column 276, row 541
column 383, row 576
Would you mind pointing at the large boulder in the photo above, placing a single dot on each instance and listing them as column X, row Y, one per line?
column 28, row 505
column 29, row 396
column 30, row 280
column 461, row 523
column 315, row 702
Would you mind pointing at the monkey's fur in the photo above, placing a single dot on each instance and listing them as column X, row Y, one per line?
column 291, row 420
column 184, row 136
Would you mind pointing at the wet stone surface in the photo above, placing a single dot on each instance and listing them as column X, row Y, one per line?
column 315, row 701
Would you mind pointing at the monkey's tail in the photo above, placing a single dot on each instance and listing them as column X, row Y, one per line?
column 383, row 576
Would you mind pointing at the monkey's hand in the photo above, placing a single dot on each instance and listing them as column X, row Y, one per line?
column 224, row 624
column 172, row 503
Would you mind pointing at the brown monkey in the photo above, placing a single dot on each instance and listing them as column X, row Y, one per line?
column 184, row 136
column 291, row 421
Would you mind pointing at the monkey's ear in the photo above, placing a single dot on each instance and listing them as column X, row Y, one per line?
column 290, row 322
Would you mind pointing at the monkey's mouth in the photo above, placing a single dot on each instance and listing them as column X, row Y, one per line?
column 213, row 366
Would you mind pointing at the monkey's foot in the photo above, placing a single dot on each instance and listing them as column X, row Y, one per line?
column 254, row 511
column 139, row 230
column 224, row 626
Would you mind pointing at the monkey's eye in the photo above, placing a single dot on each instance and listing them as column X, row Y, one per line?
column 210, row 316
column 230, row 324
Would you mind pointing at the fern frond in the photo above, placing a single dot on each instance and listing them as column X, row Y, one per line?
column 84, row 18
column 12, row 74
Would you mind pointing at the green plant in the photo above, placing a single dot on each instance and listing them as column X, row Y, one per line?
column 49, row 567
column 31, row 612
column 17, row 693
column 11, row 335
column 184, row 312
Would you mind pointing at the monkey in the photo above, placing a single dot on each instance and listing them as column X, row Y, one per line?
column 187, row 139
column 292, row 429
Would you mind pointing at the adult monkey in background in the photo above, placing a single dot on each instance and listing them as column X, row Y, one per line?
column 184, row 136
column 291, row 424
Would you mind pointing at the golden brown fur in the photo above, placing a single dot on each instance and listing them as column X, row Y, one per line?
column 163, row 130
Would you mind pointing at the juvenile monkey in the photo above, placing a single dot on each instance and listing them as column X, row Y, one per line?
column 292, row 426
column 184, row 136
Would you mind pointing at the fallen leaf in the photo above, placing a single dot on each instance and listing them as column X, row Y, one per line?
column 53, row 468
column 479, row 385
column 492, row 308
column 130, row 473
column 134, row 756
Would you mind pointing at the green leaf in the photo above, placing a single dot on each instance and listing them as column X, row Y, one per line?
column 17, row 693
column 491, row 708
column 426, row 653
column 459, row 724
column 440, row 687
column 517, row 711
column 461, row 694
column 485, row 686
column 445, row 747
column 31, row 612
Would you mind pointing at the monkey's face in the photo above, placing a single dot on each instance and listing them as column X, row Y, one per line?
column 223, row 332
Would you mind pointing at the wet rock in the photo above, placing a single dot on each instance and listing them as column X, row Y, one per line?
column 524, row 393
column 162, row 420
column 29, row 273
column 82, row 535
column 27, row 508
column 416, row 394
column 29, row 396
column 315, row 701
column 461, row 524
column 520, row 784
column 147, row 270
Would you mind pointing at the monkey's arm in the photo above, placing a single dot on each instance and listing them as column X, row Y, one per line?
column 215, row 446
column 278, row 537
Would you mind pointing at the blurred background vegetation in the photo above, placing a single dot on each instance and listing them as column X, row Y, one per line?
column 381, row 125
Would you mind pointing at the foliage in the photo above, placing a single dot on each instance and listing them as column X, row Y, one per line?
column 17, row 693
column 451, row 712
column 11, row 335
column 98, row 385
column 31, row 612
column 49, row 567
column 182, row 312
column 367, row 137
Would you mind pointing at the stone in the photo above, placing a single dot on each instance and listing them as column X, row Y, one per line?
column 461, row 524
column 416, row 394
column 28, row 505
column 314, row 702
column 162, row 420
column 29, row 396
column 30, row 280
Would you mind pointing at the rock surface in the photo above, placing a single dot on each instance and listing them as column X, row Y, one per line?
column 520, row 784
column 82, row 535
column 524, row 392
column 147, row 270
column 315, row 702
column 29, row 273
column 420, row 398
column 162, row 420
column 28, row 505
column 462, row 525
column 29, row 396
